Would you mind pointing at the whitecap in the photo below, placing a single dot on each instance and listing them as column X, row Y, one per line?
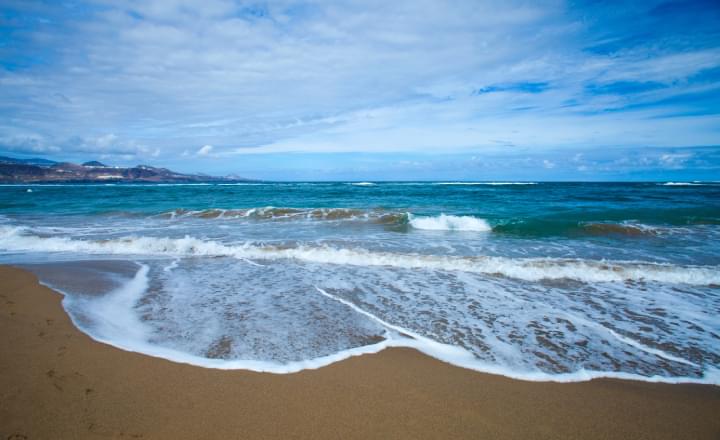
column 449, row 223
column 13, row 238
column 485, row 183
column 681, row 184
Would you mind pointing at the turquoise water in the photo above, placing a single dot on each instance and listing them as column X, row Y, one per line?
column 540, row 281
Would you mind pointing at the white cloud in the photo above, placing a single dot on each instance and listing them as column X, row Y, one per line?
column 674, row 160
column 205, row 150
column 106, row 141
column 155, row 77
column 108, row 145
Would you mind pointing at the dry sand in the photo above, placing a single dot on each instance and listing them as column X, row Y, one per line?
column 56, row 383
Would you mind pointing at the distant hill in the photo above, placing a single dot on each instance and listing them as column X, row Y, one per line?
column 47, row 171
column 94, row 163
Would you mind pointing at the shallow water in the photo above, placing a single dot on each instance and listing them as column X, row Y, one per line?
column 541, row 281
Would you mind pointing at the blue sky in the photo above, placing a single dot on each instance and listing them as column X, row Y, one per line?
column 379, row 90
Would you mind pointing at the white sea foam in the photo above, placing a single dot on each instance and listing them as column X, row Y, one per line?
column 170, row 267
column 277, row 213
column 449, row 223
column 244, row 184
column 112, row 314
column 486, row 183
column 111, row 319
column 529, row 269
column 681, row 184
column 114, row 321
column 444, row 352
column 362, row 184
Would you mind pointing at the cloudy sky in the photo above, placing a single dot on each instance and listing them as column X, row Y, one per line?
column 384, row 90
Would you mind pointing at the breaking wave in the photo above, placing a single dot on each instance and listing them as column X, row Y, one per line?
column 681, row 184
column 274, row 213
column 442, row 222
column 486, row 183
column 449, row 223
column 528, row 269
column 629, row 229
column 609, row 223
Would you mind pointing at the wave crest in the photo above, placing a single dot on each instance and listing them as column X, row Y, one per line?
column 528, row 269
column 449, row 223
column 681, row 184
column 486, row 183
column 629, row 229
column 273, row 213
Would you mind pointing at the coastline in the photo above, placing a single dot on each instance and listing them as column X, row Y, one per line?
column 56, row 382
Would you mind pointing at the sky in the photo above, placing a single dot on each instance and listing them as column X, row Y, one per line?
column 367, row 90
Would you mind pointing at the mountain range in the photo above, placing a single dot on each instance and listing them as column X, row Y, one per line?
column 38, row 170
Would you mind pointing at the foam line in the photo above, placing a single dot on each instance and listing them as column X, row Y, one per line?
column 528, row 269
column 172, row 265
column 114, row 314
column 626, row 340
column 367, row 314
column 252, row 263
column 462, row 358
column 650, row 350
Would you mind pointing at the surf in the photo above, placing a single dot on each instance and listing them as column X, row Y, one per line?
column 528, row 269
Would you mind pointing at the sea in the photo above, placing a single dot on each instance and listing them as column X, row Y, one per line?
column 531, row 280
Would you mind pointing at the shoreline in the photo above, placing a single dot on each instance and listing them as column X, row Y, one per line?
column 56, row 382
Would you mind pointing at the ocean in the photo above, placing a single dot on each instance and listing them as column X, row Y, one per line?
column 535, row 281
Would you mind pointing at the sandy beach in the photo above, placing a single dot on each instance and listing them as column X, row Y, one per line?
column 55, row 382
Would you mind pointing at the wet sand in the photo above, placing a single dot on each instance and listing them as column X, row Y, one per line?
column 57, row 383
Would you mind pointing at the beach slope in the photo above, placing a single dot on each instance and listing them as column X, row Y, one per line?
column 55, row 382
